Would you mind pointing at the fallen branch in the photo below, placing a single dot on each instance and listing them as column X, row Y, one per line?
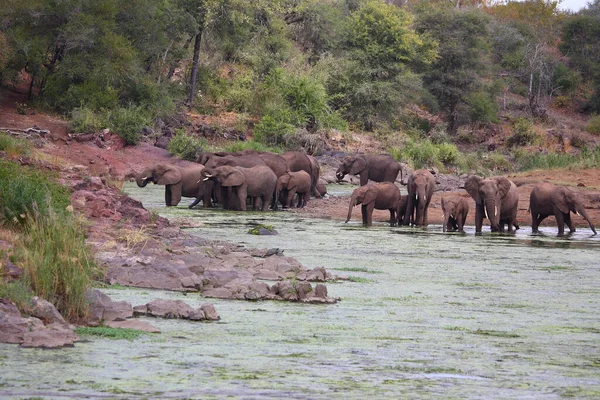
column 26, row 132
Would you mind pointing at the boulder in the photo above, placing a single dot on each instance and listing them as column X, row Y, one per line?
column 158, row 275
column 102, row 308
column 53, row 336
column 9, row 308
column 209, row 312
column 10, row 272
column 320, row 291
column 45, row 311
column 177, row 309
column 13, row 328
column 133, row 324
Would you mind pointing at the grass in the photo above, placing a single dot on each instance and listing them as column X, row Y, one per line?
column 359, row 279
column 110, row 333
column 257, row 228
column 14, row 147
column 17, row 291
column 358, row 269
column 134, row 237
column 499, row 334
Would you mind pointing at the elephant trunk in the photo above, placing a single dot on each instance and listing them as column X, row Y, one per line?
column 339, row 174
column 446, row 217
column 353, row 202
column 492, row 214
column 421, row 201
column 581, row 211
column 142, row 181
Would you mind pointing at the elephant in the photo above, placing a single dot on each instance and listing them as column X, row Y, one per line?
column 547, row 199
column 495, row 198
column 455, row 209
column 298, row 161
column 421, row 185
column 273, row 160
column 178, row 181
column 315, row 175
column 380, row 196
column 291, row 183
column 378, row 168
column 257, row 182
column 401, row 210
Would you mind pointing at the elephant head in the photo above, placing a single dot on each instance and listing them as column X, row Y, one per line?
column 488, row 195
column 351, row 165
column 421, row 189
column 226, row 175
column 163, row 174
column 567, row 201
column 451, row 208
column 363, row 195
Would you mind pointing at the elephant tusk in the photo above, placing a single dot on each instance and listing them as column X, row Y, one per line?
column 485, row 213
column 451, row 216
column 425, row 199
column 144, row 178
column 205, row 179
column 496, row 210
column 578, row 213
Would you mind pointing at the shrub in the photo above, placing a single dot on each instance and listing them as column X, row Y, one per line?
column 271, row 129
column 57, row 263
column 448, row 153
column 18, row 292
column 483, row 108
column 185, row 145
column 13, row 146
column 128, row 122
column 497, row 162
column 424, row 154
column 86, row 120
column 523, row 133
column 25, row 192
column 561, row 101
column 593, row 125
column 250, row 144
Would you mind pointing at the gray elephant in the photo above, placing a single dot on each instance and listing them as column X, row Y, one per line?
column 179, row 182
column 496, row 199
column 547, row 199
column 378, row 168
column 298, row 161
column 291, row 183
column 257, row 182
column 421, row 185
column 380, row 196
column 455, row 209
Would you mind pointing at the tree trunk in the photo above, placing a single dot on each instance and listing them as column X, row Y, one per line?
column 194, row 74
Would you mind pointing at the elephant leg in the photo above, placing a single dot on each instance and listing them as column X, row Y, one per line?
column 569, row 222
column 410, row 205
column 392, row 217
column 535, row 224
column 291, row 195
column 242, row 195
column 305, row 199
column 560, row 221
column 478, row 217
column 369, row 211
column 168, row 195
column 363, row 212
column 195, row 202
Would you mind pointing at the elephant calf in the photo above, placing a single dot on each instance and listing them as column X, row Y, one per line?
column 291, row 183
column 455, row 209
column 381, row 196
column 547, row 199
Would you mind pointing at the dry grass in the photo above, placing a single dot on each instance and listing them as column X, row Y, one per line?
column 134, row 237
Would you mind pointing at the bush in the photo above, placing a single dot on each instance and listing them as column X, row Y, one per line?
column 128, row 122
column 448, row 153
column 251, row 144
column 423, row 154
column 593, row 125
column 13, row 146
column 25, row 192
column 185, row 145
column 18, row 292
column 270, row 130
column 86, row 120
column 57, row 263
column 497, row 162
column 483, row 108
column 523, row 133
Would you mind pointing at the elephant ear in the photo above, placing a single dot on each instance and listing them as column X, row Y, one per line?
column 170, row 176
column 359, row 164
column 370, row 195
column 472, row 187
column 560, row 197
column 234, row 178
column 503, row 186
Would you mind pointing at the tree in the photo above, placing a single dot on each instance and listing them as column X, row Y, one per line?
column 462, row 36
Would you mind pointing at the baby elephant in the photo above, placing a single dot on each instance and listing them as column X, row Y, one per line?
column 381, row 196
column 291, row 183
column 455, row 209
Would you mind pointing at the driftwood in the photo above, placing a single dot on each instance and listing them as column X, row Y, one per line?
column 29, row 132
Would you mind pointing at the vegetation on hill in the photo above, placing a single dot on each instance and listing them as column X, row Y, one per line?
column 422, row 77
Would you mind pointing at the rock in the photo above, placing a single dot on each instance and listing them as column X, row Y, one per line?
column 102, row 308
column 8, row 308
column 218, row 293
column 304, row 290
column 140, row 310
column 197, row 315
column 316, row 275
column 53, row 336
column 268, row 275
column 320, row 291
column 13, row 328
column 169, row 309
column 133, row 324
column 162, row 142
column 45, row 311
column 10, row 272
column 158, row 275
column 209, row 312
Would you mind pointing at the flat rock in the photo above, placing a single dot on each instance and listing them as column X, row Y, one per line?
column 53, row 336
column 45, row 311
column 102, row 308
column 13, row 328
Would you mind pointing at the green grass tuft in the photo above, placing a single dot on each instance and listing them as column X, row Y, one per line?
column 110, row 333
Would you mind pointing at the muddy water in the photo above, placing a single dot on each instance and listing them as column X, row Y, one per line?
column 428, row 314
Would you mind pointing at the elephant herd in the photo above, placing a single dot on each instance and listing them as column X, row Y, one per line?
column 495, row 198
column 233, row 179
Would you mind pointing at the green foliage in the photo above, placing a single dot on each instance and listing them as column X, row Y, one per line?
column 25, row 192
column 128, row 122
column 185, row 145
column 110, row 333
column 57, row 263
column 483, row 108
column 271, row 129
column 256, row 230
column 593, row 125
column 86, row 120
column 523, row 133
column 424, row 154
column 252, row 145
column 13, row 146
column 18, row 292
column 527, row 160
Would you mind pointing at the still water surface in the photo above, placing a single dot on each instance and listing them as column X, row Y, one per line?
column 428, row 314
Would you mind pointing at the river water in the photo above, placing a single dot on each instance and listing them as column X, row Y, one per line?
column 425, row 314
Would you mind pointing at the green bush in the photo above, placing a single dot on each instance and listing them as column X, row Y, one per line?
column 25, row 192
column 270, row 130
column 252, row 145
column 57, row 263
column 523, row 133
column 593, row 125
column 13, row 146
column 86, row 120
column 128, row 122
column 448, row 153
column 185, row 145
column 527, row 160
column 483, row 108
column 423, row 154
column 18, row 292
column 497, row 162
